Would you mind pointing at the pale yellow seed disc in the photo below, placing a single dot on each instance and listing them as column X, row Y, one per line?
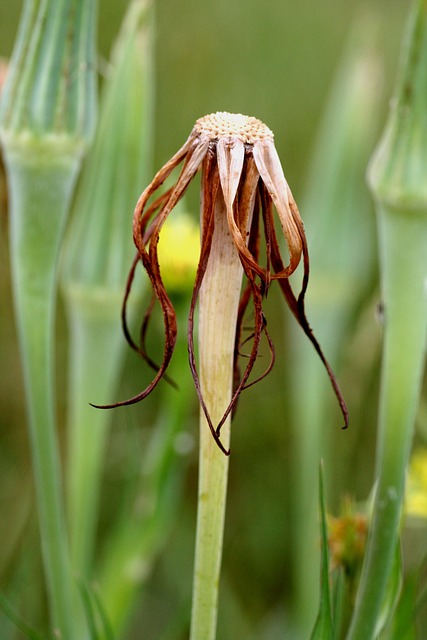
column 233, row 125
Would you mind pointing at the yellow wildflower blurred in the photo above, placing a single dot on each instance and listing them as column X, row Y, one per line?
column 178, row 251
column 416, row 486
column 347, row 538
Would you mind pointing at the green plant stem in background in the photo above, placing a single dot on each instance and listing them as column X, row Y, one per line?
column 403, row 362
column 398, row 179
column 92, row 338
column 145, row 523
column 98, row 255
column 37, row 216
column 219, row 299
column 324, row 627
column 47, row 116
column 336, row 211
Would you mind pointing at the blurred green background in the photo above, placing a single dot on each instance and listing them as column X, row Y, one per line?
column 275, row 61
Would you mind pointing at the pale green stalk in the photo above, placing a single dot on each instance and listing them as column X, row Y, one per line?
column 219, row 300
column 34, row 248
column 145, row 522
column 93, row 342
column 398, row 179
column 337, row 213
column 46, row 120
column 98, row 256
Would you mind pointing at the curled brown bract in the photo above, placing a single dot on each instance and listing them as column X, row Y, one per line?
column 237, row 155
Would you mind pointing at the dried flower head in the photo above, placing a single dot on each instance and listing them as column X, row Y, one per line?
column 241, row 168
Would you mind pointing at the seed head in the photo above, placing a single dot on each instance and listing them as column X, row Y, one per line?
column 242, row 177
column 233, row 125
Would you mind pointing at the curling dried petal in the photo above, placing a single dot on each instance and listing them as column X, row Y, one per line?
column 271, row 172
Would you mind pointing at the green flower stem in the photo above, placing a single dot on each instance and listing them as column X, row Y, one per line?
column 47, row 116
column 213, row 473
column 219, row 298
column 40, row 188
column 141, row 530
column 98, row 254
column 92, row 376
column 397, row 176
column 334, row 197
column 402, row 367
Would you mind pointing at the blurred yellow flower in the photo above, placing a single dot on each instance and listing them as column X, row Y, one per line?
column 416, row 487
column 178, row 251
column 347, row 538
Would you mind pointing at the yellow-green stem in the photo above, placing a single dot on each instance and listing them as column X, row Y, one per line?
column 47, row 114
column 37, row 215
column 397, row 177
column 219, row 299
column 93, row 335
column 140, row 532
column 405, row 296
column 99, row 250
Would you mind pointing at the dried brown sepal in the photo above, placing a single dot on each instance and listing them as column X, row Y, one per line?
column 239, row 157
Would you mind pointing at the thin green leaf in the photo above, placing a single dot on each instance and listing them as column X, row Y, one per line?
column 339, row 602
column 99, row 625
column 89, row 610
column 106, row 627
column 392, row 593
column 324, row 628
column 17, row 620
column 402, row 626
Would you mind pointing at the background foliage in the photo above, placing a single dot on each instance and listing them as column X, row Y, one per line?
column 276, row 62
